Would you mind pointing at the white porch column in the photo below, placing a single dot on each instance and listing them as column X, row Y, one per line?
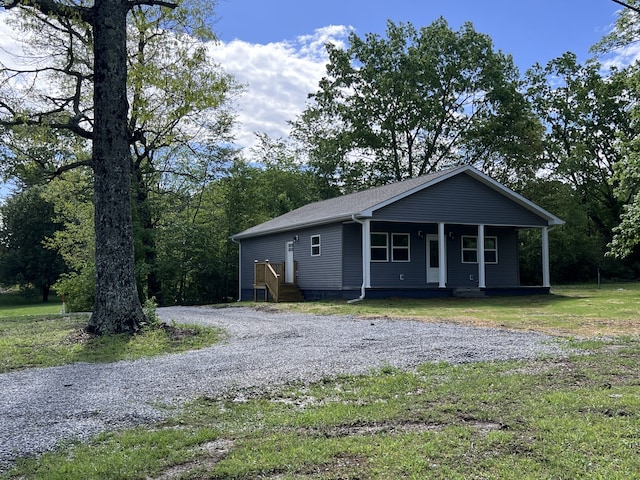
column 366, row 253
column 482, row 283
column 442, row 257
column 546, row 277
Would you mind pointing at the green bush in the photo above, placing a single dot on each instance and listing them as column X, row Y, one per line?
column 78, row 288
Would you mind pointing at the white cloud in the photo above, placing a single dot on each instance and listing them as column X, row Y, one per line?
column 621, row 57
column 278, row 78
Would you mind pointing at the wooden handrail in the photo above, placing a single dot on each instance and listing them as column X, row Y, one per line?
column 272, row 279
column 270, row 276
column 266, row 276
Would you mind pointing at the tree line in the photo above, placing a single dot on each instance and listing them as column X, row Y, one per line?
column 389, row 107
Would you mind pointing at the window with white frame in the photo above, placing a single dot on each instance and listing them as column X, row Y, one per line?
column 490, row 249
column 470, row 249
column 315, row 245
column 379, row 247
column 400, row 247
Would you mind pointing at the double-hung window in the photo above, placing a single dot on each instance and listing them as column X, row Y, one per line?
column 470, row 249
column 400, row 247
column 379, row 247
column 315, row 245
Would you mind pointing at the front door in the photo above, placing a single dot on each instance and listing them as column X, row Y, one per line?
column 288, row 263
column 433, row 259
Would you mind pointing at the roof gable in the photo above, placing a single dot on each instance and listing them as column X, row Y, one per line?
column 363, row 204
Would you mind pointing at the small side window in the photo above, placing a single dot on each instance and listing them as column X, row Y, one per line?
column 315, row 245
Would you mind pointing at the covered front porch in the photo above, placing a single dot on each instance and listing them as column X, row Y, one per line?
column 444, row 259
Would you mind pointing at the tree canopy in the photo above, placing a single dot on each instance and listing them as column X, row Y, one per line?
column 415, row 102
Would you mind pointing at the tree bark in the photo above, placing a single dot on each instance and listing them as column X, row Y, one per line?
column 117, row 307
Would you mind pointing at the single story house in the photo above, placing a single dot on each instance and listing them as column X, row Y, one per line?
column 447, row 233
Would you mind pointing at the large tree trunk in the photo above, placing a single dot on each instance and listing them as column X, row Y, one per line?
column 117, row 306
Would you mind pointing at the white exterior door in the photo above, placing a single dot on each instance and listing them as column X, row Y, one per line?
column 433, row 259
column 288, row 263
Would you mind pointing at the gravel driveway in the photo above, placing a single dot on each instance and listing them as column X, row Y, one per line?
column 40, row 407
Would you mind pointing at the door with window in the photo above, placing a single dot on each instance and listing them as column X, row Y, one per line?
column 289, row 276
column 433, row 259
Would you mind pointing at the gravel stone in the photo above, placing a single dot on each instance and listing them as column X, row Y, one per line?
column 41, row 407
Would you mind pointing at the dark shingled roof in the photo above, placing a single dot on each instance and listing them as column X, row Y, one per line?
column 346, row 206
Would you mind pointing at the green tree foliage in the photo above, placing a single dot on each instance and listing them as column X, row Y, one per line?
column 587, row 117
column 414, row 102
column 197, row 261
column 588, row 120
column 72, row 196
column 27, row 221
column 179, row 114
column 626, row 239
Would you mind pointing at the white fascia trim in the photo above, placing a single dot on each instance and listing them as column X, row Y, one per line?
column 289, row 228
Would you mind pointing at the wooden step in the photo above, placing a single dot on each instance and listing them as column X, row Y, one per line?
column 290, row 293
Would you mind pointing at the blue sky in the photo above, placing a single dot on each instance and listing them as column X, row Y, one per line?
column 276, row 48
column 531, row 30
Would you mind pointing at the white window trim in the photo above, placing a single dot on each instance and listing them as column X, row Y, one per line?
column 491, row 250
column 407, row 248
column 319, row 245
column 462, row 249
column 386, row 247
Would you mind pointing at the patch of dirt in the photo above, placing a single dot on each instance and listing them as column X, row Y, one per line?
column 78, row 337
column 371, row 429
column 178, row 333
column 342, row 467
column 208, row 455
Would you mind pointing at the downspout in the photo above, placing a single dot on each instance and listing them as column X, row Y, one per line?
column 365, row 246
column 239, row 268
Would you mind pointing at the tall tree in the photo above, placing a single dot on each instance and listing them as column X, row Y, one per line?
column 117, row 306
column 413, row 102
column 27, row 220
column 180, row 119
column 172, row 91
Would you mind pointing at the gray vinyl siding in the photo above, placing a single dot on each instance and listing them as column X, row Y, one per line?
column 352, row 257
column 323, row 272
column 313, row 272
column 460, row 199
column 414, row 273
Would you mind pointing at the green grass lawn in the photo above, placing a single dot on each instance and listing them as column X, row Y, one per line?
column 547, row 419
column 552, row 418
column 579, row 311
column 12, row 305
column 36, row 335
